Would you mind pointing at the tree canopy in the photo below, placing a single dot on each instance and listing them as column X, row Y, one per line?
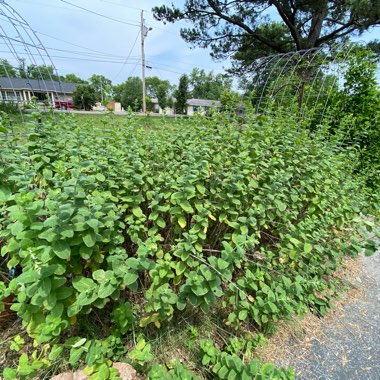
column 84, row 96
column 159, row 89
column 250, row 29
column 208, row 85
column 129, row 93
column 6, row 69
column 181, row 95
column 102, row 86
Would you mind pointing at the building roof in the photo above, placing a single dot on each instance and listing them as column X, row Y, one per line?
column 203, row 103
column 37, row 85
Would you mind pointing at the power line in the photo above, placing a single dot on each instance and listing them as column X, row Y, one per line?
column 100, row 15
column 70, row 43
column 119, row 61
column 124, row 6
column 83, row 53
column 128, row 57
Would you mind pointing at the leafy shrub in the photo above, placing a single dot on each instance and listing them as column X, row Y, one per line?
column 147, row 224
column 355, row 114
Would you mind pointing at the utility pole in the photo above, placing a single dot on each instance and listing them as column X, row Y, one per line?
column 144, row 32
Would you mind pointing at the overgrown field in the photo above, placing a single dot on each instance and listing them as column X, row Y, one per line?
column 174, row 249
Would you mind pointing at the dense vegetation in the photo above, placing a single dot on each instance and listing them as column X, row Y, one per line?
column 119, row 233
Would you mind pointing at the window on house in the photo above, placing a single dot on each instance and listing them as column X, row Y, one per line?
column 10, row 96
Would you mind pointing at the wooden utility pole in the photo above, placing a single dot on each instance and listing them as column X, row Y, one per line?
column 144, row 32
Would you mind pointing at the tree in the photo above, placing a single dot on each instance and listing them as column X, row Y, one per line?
column 159, row 89
column 242, row 29
column 182, row 95
column 41, row 72
column 374, row 46
column 85, row 96
column 129, row 93
column 72, row 78
column 6, row 69
column 208, row 86
column 102, row 86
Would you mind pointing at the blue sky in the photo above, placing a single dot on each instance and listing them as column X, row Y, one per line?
column 101, row 46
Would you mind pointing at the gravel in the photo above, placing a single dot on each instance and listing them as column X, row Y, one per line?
column 349, row 346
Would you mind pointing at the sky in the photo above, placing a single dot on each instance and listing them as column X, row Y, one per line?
column 85, row 43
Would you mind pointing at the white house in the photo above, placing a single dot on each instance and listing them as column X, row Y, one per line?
column 193, row 106
column 201, row 105
column 157, row 109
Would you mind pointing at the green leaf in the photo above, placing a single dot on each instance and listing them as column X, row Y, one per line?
column 243, row 314
column 222, row 264
column 280, row 205
column 137, row 212
column 89, row 238
column 307, row 248
column 223, row 372
column 130, row 278
column 27, row 277
column 105, row 290
column 55, row 352
column 83, row 284
column 48, row 235
column 75, row 354
column 10, row 374
column 5, row 193
column 79, row 343
column 62, row 249
column 93, row 223
column 100, row 177
column 201, row 189
column 185, row 205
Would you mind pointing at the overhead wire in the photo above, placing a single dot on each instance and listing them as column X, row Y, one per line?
column 100, row 15
column 128, row 57
column 103, row 57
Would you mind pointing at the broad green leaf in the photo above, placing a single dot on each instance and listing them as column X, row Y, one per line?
column 185, row 205
column 75, row 355
column 62, row 249
column 280, row 205
column 89, row 238
column 93, row 223
column 130, row 278
column 100, row 177
column 137, row 212
column 27, row 277
column 48, row 235
column 55, row 352
column 105, row 290
column 83, row 284
column 307, row 248
column 5, row 193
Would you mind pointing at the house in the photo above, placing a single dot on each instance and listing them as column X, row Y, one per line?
column 21, row 90
column 193, row 106
column 156, row 108
column 201, row 105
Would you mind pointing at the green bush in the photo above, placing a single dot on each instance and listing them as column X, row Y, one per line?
column 355, row 115
column 251, row 218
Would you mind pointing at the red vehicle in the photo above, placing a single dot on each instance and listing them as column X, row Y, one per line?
column 63, row 104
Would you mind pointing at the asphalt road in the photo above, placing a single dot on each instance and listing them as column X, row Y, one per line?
column 348, row 346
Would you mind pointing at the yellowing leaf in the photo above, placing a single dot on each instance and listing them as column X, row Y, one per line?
column 182, row 222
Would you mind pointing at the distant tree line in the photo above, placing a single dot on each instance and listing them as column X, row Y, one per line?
column 198, row 84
